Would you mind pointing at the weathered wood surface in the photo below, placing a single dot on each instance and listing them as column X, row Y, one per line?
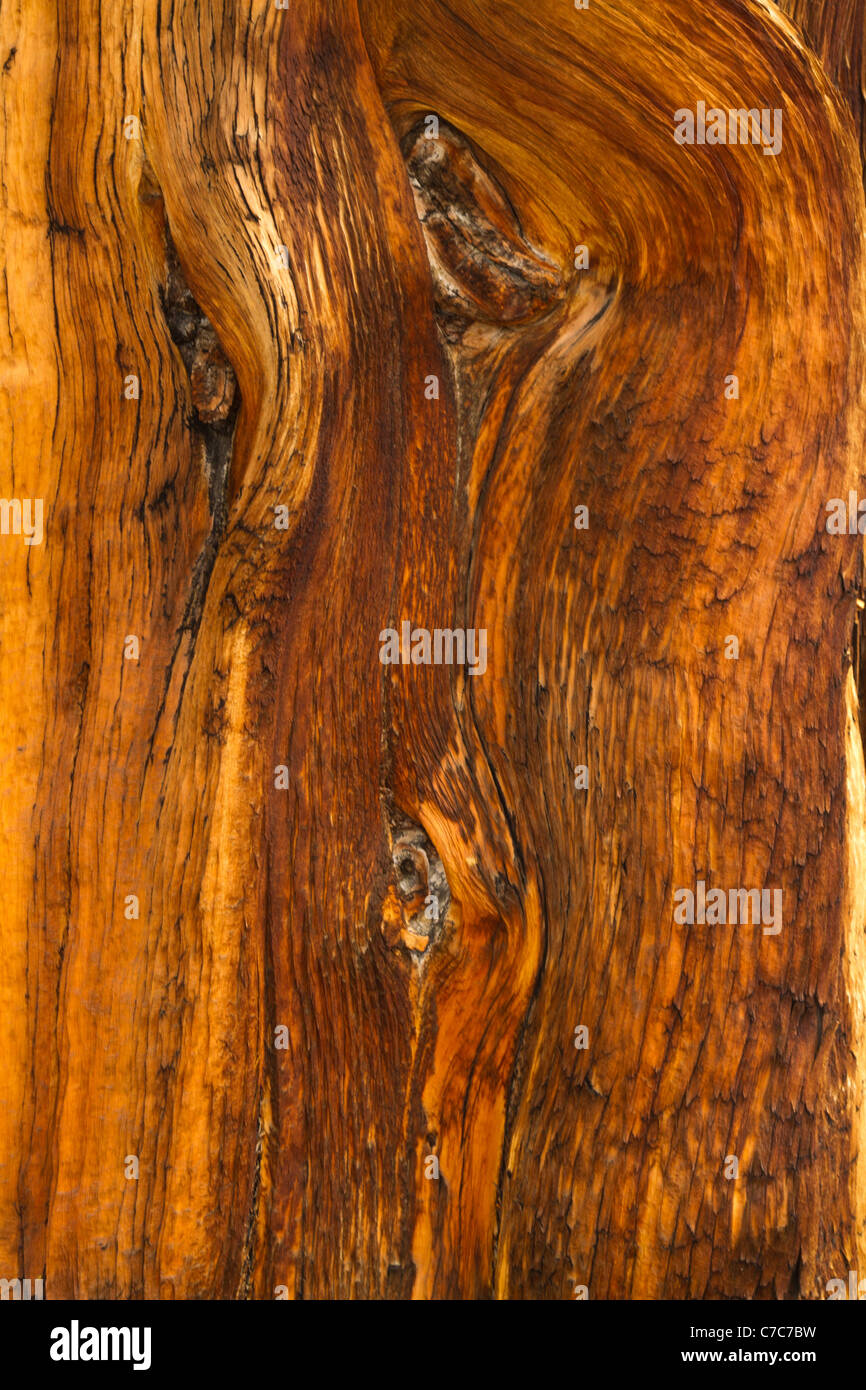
column 283, row 260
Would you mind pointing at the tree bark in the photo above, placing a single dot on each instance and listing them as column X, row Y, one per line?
column 375, row 380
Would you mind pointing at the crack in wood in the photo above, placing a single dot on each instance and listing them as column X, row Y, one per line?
column 213, row 384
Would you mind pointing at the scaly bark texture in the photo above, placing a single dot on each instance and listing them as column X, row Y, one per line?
column 374, row 381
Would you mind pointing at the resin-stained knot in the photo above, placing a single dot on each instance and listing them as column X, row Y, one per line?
column 419, row 898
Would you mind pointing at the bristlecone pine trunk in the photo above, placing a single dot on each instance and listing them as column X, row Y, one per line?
column 324, row 977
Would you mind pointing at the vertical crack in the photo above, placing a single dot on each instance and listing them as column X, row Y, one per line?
column 244, row 1287
column 214, row 397
column 215, row 403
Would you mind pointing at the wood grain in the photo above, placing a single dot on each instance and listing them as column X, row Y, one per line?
column 285, row 260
